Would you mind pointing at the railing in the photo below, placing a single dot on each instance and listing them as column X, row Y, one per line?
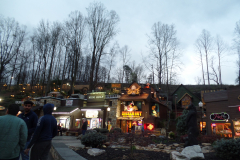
column 112, row 96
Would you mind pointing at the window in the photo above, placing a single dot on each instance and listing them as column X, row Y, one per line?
column 221, row 129
column 110, row 103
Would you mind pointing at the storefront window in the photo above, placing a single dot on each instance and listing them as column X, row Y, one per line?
column 236, row 129
column 202, row 126
column 154, row 110
column 133, row 106
column 221, row 129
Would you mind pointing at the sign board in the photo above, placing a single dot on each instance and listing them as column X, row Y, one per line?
column 116, row 85
column 219, row 116
column 34, row 102
column 91, row 114
column 96, row 97
column 131, row 113
column 2, row 108
column 69, row 102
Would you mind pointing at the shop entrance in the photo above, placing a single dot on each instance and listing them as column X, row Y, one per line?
column 129, row 126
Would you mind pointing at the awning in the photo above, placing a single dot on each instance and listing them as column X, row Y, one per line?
column 131, row 118
column 65, row 110
column 134, row 97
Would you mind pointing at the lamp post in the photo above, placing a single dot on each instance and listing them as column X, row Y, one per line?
column 200, row 104
column 108, row 110
column 175, row 106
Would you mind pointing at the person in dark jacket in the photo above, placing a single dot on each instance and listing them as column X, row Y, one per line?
column 30, row 119
column 42, row 137
column 84, row 127
column 192, row 128
column 59, row 129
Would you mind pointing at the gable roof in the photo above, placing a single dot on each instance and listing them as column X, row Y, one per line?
column 184, row 96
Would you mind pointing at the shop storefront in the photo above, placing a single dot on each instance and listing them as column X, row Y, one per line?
column 140, row 107
column 223, row 112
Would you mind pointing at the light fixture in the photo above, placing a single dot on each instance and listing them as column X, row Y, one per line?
column 54, row 108
column 108, row 109
column 200, row 104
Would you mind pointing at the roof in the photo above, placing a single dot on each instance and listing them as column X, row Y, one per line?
column 215, row 96
column 64, row 110
column 143, row 96
column 34, row 108
column 184, row 96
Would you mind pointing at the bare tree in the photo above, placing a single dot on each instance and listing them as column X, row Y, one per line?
column 221, row 49
column 213, row 75
column 163, row 45
column 75, row 35
column 102, row 27
column 236, row 46
column 204, row 45
column 11, row 40
column 125, row 56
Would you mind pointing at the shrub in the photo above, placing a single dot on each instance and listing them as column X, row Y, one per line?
column 97, row 129
column 93, row 139
column 208, row 138
column 119, row 130
column 183, row 138
column 104, row 130
column 181, row 127
column 172, row 135
column 228, row 149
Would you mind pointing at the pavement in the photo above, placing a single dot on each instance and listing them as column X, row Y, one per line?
column 60, row 148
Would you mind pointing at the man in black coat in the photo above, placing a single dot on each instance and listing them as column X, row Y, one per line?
column 192, row 127
column 84, row 127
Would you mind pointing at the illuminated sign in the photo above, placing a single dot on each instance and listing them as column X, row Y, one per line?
column 239, row 108
column 219, row 116
column 117, row 85
column 91, row 114
column 133, row 90
column 131, row 113
column 2, row 108
column 150, row 126
column 139, row 123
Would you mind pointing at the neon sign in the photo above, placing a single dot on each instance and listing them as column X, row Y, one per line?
column 219, row 116
column 131, row 113
column 150, row 126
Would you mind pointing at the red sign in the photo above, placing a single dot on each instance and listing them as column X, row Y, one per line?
column 239, row 108
column 148, row 126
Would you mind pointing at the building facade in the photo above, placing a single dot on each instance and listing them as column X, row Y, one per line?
column 223, row 112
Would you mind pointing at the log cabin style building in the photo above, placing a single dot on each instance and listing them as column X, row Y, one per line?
column 140, row 107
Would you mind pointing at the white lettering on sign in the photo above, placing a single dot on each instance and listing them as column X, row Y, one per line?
column 69, row 102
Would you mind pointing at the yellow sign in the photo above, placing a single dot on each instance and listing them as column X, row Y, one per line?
column 131, row 113
column 117, row 85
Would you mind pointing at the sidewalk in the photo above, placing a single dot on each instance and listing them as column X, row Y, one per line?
column 60, row 148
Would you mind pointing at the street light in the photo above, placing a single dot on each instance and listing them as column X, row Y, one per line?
column 200, row 104
column 108, row 109
column 175, row 106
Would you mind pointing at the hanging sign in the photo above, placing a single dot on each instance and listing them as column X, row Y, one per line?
column 219, row 116
column 69, row 102
column 131, row 113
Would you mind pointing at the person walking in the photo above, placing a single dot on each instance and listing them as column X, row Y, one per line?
column 42, row 138
column 30, row 119
column 13, row 134
column 59, row 129
column 84, row 127
column 142, row 130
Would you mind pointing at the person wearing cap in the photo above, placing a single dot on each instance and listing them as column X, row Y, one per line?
column 46, row 129
column 30, row 119
column 13, row 134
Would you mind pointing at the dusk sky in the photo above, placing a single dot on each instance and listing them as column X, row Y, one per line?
column 137, row 17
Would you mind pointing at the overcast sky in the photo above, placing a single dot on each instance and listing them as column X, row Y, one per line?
column 137, row 17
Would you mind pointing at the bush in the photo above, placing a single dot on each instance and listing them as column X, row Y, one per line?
column 172, row 135
column 104, row 130
column 227, row 149
column 119, row 130
column 97, row 129
column 208, row 138
column 181, row 126
column 93, row 140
